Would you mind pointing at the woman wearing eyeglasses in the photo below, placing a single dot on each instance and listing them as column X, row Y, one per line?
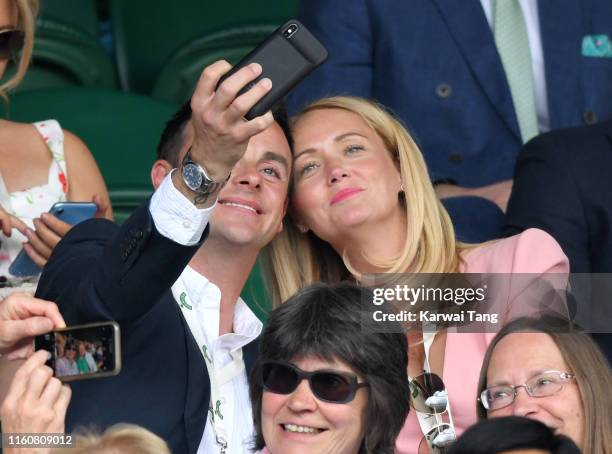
column 544, row 370
column 362, row 202
column 40, row 164
column 326, row 381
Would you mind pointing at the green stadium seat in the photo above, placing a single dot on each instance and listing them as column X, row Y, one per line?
column 121, row 129
column 67, row 50
column 149, row 33
column 179, row 75
column 80, row 14
column 255, row 293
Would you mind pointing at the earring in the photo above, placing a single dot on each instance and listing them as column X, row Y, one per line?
column 401, row 187
column 302, row 228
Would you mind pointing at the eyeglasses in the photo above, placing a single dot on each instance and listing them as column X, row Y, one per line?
column 281, row 377
column 429, row 397
column 11, row 42
column 542, row 385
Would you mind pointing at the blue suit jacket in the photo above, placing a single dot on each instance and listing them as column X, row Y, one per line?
column 100, row 271
column 435, row 64
column 562, row 185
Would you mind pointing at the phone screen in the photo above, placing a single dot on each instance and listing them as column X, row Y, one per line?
column 81, row 352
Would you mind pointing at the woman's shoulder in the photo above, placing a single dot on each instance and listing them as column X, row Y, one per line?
column 532, row 251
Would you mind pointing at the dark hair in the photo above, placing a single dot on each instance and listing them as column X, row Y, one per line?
column 326, row 321
column 496, row 435
column 172, row 137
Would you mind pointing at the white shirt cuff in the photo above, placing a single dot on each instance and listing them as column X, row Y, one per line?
column 175, row 216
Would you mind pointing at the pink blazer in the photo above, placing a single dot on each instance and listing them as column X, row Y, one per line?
column 533, row 251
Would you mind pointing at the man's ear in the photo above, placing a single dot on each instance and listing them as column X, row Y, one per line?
column 160, row 169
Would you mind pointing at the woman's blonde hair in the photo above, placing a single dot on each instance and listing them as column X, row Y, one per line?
column 27, row 10
column 117, row 439
column 295, row 260
column 585, row 361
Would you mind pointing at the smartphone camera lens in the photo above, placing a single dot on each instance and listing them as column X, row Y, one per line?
column 290, row 31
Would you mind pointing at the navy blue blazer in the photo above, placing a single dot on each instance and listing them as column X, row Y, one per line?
column 100, row 271
column 435, row 64
column 562, row 185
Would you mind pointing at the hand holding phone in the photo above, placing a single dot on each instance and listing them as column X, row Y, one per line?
column 36, row 402
column 84, row 351
column 48, row 233
column 287, row 56
column 224, row 97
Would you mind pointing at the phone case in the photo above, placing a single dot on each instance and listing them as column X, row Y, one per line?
column 286, row 58
column 70, row 212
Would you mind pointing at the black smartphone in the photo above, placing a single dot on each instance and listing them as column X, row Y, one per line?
column 69, row 212
column 287, row 56
column 84, row 351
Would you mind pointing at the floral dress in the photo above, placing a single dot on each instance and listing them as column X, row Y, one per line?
column 29, row 204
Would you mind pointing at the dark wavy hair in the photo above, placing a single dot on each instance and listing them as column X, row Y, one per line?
column 172, row 136
column 327, row 322
column 509, row 433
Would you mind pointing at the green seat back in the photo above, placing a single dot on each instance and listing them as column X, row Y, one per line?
column 121, row 129
column 179, row 75
column 255, row 293
column 80, row 14
column 149, row 32
column 67, row 50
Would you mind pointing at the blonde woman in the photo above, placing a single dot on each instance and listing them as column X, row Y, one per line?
column 40, row 164
column 362, row 202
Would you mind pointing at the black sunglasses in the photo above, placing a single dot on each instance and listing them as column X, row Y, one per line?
column 11, row 42
column 281, row 377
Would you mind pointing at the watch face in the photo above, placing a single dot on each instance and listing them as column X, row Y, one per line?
column 192, row 176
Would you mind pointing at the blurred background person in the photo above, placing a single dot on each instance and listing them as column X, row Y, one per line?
column 65, row 363
column 545, row 370
column 512, row 435
column 327, row 378
column 40, row 164
column 472, row 80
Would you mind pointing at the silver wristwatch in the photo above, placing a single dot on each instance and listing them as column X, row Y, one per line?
column 196, row 178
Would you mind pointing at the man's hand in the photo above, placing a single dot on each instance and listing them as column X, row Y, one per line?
column 498, row 193
column 221, row 134
column 21, row 318
column 35, row 403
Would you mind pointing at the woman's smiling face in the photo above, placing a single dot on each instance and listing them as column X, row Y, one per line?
column 344, row 174
column 299, row 423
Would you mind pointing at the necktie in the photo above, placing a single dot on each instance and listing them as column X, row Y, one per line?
column 512, row 42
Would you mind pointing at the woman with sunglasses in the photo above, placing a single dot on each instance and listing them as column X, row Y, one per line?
column 326, row 381
column 546, row 370
column 40, row 164
column 362, row 202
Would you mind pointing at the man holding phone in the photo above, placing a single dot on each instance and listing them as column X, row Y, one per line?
column 186, row 334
